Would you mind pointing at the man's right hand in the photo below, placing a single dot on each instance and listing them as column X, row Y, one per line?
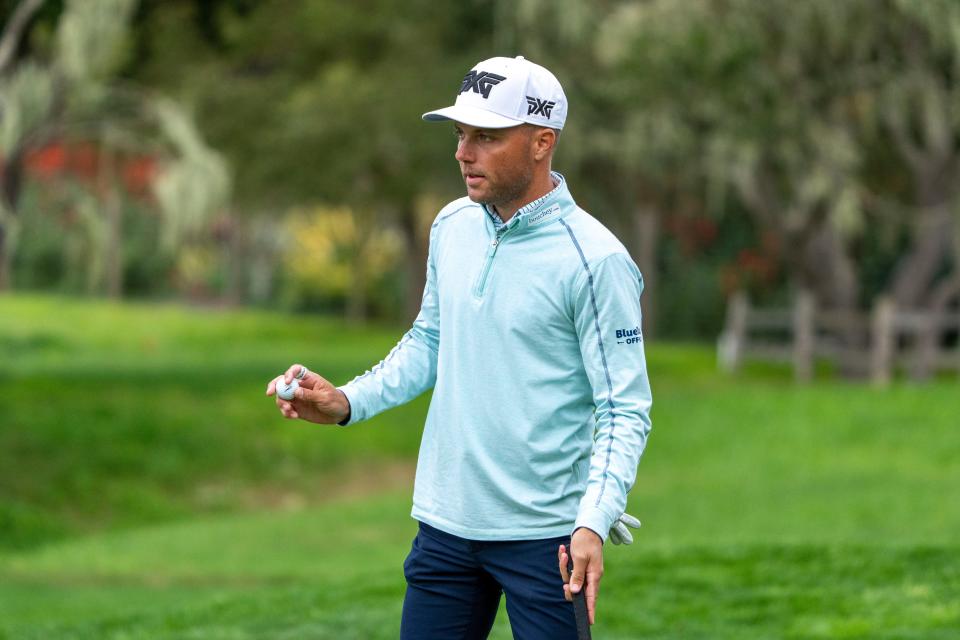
column 316, row 400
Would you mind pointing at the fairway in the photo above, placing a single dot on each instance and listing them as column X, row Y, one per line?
column 157, row 494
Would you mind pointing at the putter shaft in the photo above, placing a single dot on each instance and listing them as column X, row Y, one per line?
column 580, row 609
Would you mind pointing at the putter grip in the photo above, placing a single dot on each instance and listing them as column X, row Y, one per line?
column 580, row 609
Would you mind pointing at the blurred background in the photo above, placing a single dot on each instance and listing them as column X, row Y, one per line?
column 196, row 194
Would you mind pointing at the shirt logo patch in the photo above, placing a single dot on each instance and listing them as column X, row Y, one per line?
column 629, row 336
column 543, row 215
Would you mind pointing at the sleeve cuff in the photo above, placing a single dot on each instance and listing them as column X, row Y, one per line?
column 352, row 416
column 595, row 520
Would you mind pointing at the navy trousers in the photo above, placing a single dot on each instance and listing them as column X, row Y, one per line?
column 454, row 587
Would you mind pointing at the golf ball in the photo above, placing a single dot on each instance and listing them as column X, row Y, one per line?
column 285, row 390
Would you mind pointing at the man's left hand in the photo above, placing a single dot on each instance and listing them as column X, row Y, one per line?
column 586, row 548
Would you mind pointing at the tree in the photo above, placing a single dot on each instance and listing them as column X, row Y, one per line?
column 793, row 106
column 26, row 97
column 916, row 98
column 77, row 95
column 320, row 102
column 623, row 178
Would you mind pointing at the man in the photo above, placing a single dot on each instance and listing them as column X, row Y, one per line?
column 529, row 334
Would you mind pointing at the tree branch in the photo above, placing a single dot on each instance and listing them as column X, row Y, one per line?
column 13, row 32
column 751, row 183
column 898, row 129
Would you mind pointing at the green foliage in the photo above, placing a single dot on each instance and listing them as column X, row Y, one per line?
column 331, row 255
column 90, row 39
column 116, row 120
column 26, row 98
column 313, row 101
column 816, row 121
column 61, row 251
column 826, row 122
column 194, row 184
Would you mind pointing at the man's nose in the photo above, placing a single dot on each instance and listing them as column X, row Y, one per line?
column 464, row 153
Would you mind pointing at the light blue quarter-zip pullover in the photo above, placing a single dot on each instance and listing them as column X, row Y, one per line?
column 529, row 335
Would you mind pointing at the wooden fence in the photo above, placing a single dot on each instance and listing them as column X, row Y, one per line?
column 874, row 345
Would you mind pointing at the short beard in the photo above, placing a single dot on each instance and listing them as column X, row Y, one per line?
column 510, row 192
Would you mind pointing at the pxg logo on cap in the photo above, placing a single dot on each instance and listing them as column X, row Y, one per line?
column 505, row 92
column 537, row 106
column 481, row 82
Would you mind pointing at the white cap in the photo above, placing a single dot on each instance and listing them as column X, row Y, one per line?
column 505, row 92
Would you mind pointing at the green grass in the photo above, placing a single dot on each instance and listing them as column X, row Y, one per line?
column 116, row 415
column 334, row 572
column 149, row 490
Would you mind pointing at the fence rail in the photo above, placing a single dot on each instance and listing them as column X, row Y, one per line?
column 872, row 345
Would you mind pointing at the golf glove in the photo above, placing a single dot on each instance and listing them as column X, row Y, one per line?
column 619, row 534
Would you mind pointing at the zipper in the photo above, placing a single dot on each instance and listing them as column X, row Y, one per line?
column 491, row 253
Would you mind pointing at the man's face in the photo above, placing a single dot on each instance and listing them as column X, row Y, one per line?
column 497, row 164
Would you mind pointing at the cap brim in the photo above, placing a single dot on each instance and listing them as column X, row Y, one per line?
column 472, row 116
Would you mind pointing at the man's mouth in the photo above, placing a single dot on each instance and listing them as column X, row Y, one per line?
column 473, row 179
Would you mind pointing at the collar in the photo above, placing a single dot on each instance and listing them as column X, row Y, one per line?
column 544, row 209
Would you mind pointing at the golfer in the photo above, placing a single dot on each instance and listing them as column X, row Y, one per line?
column 529, row 335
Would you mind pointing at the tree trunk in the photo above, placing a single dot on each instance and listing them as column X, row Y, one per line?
column 831, row 274
column 114, row 257
column 828, row 270
column 12, row 180
column 6, row 276
column 113, row 213
column 916, row 272
column 944, row 293
column 11, row 183
column 356, row 310
column 415, row 258
column 232, row 247
column 357, row 296
column 646, row 229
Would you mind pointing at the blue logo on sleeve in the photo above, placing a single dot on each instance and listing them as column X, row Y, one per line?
column 629, row 336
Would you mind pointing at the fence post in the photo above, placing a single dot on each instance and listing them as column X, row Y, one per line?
column 883, row 342
column 803, row 336
column 926, row 347
column 732, row 341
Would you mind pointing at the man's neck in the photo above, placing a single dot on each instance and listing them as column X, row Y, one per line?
column 538, row 188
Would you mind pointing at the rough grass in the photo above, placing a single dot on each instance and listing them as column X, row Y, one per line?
column 149, row 490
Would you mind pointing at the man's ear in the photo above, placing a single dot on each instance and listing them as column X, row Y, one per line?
column 544, row 142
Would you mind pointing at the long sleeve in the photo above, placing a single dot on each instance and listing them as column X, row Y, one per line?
column 608, row 321
column 411, row 366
